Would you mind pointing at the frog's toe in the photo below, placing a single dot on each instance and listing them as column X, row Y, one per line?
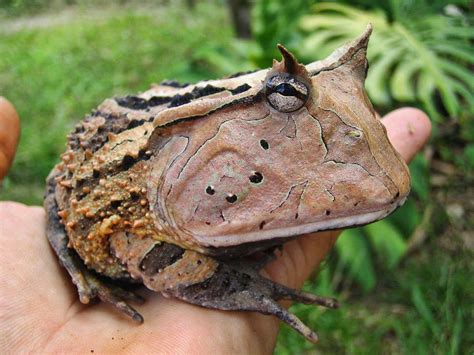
column 235, row 286
column 281, row 292
column 115, row 295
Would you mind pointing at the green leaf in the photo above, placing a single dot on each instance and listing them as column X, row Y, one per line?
column 425, row 91
column 457, row 333
column 424, row 310
column 377, row 82
column 407, row 217
column 354, row 254
column 402, row 83
column 387, row 241
column 317, row 40
column 459, row 50
column 469, row 154
column 427, row 60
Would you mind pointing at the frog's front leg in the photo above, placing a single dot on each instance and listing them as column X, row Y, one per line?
column 89, row 285
column 201, row 280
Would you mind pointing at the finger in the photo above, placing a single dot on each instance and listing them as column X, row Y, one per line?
column 9, row 134
column 408, row 130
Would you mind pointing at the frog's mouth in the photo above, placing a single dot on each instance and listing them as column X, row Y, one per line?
column 234, row 245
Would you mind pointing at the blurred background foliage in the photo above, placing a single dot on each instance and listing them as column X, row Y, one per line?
column 405, row 282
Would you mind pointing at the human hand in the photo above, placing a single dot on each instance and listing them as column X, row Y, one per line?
column 9, row 134
column 40, row 310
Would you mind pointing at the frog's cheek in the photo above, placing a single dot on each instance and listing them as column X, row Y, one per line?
column 266, row 178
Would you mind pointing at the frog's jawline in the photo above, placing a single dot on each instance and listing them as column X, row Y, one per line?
column 284, row 233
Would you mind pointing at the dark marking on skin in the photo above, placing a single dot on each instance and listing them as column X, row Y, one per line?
column 323, row 140
column 174, row 84
column 161, row 256
column 134, row 196
column 129, row 161
column 231, row 198
column 240, row 89
column 241, row 73
column 288, row 194
column 115, row 203
column 136, row 123
column 264, row 144
column 198, row 92
column 256, row 177
column 138, row 103
column 179, row 100
column 248, row 100
column 206, row 91
column 210, row 190
column 114, row 123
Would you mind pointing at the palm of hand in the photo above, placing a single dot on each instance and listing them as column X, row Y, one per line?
column 42, row 311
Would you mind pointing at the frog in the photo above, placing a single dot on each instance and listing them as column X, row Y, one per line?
column 189, row 189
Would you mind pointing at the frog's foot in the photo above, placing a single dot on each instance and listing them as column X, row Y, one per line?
column 234, row 286
column 89, row 285
column 109, row 293
column 198, row 279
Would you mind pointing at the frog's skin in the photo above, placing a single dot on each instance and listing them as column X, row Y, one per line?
column 175, row 188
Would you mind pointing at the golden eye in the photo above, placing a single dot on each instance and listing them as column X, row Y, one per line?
column 285, row 93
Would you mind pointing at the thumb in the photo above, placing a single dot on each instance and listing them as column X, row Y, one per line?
column 9, row 134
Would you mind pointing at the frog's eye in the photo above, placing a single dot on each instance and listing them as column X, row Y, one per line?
column 285, row 93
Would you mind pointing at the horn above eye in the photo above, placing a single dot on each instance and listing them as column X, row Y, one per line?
column 286, row 93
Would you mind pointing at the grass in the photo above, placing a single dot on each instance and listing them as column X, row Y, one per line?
column 424, row 307
column 56, row 73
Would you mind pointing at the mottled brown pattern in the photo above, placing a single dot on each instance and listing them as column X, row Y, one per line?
column 174, row 187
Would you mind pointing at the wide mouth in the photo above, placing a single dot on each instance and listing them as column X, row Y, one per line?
column 230, row 240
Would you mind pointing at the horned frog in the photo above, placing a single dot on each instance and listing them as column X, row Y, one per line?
column 179, row 187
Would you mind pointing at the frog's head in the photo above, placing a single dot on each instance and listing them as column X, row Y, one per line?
column 298, row 151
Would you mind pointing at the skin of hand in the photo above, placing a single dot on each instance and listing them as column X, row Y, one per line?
column 40, row 310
